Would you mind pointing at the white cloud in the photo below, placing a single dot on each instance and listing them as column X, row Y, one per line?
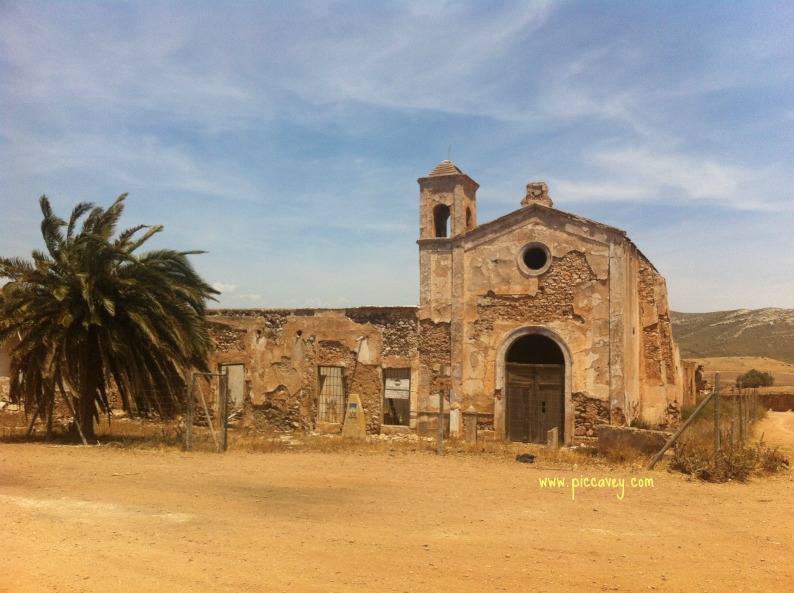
column 248, row 297
column 221, row 287
column 656, row 176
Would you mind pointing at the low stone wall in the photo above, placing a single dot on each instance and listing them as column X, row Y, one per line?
column 624, row 437
column 777, row 402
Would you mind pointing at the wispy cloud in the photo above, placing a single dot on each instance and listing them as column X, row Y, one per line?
column 286, row 139
column 223, row 288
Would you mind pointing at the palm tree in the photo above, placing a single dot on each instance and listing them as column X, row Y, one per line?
column 91, row 313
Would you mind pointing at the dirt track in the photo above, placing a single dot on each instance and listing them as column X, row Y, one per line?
column 99, row 519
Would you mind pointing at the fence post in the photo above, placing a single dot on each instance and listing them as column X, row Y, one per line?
column 223, row 406
column 443, row 374
column 717, row 398
column 733, row 414
column 655, row 459
column 742, row 416
column 189, row 417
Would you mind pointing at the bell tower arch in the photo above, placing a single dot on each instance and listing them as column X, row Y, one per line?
column 448, row 203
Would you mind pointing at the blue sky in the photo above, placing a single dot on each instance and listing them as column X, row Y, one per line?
column 285, row 138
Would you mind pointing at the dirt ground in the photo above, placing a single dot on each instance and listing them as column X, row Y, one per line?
column 101, row 519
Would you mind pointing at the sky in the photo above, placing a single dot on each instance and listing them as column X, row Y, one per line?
column 285, row 138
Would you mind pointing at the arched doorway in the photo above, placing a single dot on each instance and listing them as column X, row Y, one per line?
column 535, row 384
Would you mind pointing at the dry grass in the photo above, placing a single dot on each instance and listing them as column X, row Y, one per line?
column 737, row 461
column 731, row 367
column 127, row 433
column 694, row 455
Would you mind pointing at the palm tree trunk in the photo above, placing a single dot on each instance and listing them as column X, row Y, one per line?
column 90, row 376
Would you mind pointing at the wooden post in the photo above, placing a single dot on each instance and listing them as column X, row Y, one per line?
column 741, row 417
column 190, row 400
column 733, row 414
column 655, row 459
column 440, row 449
column 717, row 401
column 223, row 407
column 753, row 405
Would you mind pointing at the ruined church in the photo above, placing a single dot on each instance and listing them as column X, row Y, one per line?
column 535, row 321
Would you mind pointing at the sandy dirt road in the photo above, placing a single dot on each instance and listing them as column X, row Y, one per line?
column 98, row 519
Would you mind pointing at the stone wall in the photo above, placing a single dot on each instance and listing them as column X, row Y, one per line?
column 281, row 350
column 553, row 301
column 589, row 412
column 620, row 438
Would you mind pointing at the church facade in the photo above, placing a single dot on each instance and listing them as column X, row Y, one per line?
column 536, row 321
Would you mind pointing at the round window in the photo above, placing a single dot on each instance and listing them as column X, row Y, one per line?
column 534, row 258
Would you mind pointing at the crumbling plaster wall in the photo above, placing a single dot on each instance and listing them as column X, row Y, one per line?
column 571, row 299
column 282, row 350
column 661, row 371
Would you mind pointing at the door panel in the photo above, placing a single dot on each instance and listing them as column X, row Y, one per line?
column 535, row 402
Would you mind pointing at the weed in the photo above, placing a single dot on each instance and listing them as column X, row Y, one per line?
column 738, row 461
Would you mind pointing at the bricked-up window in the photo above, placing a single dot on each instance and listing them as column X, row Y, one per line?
column 331, row 407
column 397, row 396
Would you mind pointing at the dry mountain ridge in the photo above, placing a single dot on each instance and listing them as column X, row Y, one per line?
column 744, row 332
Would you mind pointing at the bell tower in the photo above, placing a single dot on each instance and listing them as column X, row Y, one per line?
column 447, row 203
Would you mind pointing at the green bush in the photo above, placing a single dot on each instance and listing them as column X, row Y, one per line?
column 754, row 378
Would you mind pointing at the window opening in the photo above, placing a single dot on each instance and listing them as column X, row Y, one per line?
column 441, row 220
column 397, row 397
column 534, row 259
column 236, row 386
column 331, row 405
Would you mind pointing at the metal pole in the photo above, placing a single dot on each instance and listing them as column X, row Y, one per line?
column 207, row 411
column 717, row 399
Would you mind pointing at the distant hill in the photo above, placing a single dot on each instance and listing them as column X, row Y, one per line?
column 760, row 332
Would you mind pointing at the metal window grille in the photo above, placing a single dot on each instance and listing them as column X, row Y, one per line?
column 331, row 407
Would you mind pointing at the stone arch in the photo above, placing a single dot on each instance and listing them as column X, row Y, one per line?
column 441, row 215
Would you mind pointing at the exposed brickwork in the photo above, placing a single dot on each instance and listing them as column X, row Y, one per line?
column 226, row 338
column 281, row 410
column 553, row 301
column 589, row 412
column 651, row 333
column 434, row 346
column 398, row 325
column 672, row 417
column 363, row 380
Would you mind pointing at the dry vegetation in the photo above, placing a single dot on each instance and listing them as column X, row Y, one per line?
column 731, row 367
column 314, row 514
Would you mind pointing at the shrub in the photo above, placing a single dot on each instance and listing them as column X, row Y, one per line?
column 754, row 378
column 694, row 455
